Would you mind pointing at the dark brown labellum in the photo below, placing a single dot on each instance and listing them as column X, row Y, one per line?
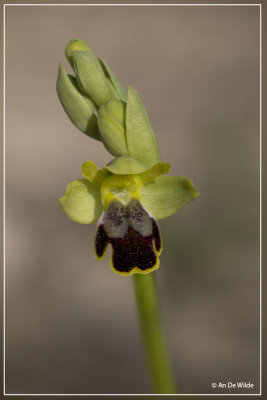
column 134, row 236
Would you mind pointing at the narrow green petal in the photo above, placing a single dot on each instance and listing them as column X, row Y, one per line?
column 158, row 169
column 125, row 165
column 114, row 80
column 166, row 195
column 141, row 140
column 82, row 201
column 93, row 173
column 90, row 76
column 77, row 105
column 75, row 44
column 111, row 123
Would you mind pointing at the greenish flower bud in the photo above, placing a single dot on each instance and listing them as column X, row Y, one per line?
column 73, row 45
column 90, row 77
column 77, row 105
column 111, row 123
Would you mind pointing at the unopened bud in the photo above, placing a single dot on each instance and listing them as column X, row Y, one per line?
column 90, row 77
column 78, row 107
column 73, row 45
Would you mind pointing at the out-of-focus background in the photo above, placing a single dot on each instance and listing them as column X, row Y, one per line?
column 71, row 323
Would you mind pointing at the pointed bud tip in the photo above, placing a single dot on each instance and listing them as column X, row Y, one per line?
column 73, row 45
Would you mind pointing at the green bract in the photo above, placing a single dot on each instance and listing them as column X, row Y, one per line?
column 116, row 87
column 141, row 140
column 132, row 191
column 111, row 123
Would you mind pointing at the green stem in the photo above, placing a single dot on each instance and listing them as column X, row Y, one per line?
column 154, row 344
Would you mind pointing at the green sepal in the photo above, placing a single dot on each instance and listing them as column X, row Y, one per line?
column 166, row 195
column 90, row 77
column 111, row 123
column 118, row 88
column 77, row 105
column 141, row 140
column 74, row 45
column 82, row 201
column 125, row 165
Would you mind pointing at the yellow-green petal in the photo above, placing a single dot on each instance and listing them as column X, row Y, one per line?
column 90, row 76
column 111, row 123
column 158, row 169
column 93, row 173
column 125, row 165
column 141, row 140
column 166, row 195
column 77, row 105
column 82, row 201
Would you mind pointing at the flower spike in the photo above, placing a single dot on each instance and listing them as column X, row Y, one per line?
column 129, row 194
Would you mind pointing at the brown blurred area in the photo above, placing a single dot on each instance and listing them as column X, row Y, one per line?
column 71, row 323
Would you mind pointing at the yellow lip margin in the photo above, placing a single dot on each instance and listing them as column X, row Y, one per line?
column 137, row 270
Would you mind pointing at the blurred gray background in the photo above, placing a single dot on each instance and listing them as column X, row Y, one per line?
column 71, row 323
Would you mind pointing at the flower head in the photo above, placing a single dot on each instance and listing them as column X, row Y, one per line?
column 132, row 192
